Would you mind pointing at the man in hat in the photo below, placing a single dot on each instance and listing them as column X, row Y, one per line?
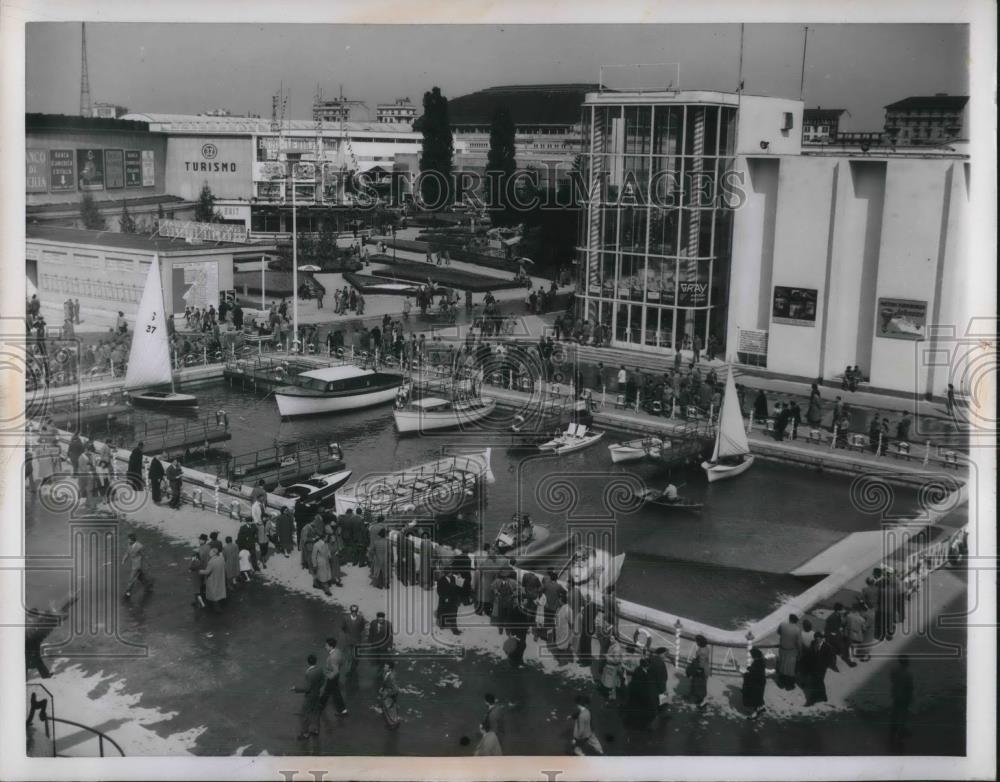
column 175, row 477
column 380, row 640
column 352, row 628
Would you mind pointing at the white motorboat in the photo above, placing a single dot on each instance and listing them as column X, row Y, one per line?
column 333, row 389
column 575, row 438
column 731, row 456
column 315, row 489
column 642, row 448
column 434, row 412
column 437, row 486
column 514, row 538
column 149, row 356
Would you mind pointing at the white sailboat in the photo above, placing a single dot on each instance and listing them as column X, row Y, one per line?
column 149, row 358
column 731, row 456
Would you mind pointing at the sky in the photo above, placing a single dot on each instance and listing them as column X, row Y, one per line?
column 190, row 68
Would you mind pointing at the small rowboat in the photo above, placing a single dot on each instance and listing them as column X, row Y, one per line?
column 576, row 437
column 641, row 448
column 655, row 497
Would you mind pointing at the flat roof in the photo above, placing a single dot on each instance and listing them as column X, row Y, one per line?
column 337, row 373
column 122, row 241
column 193, row 123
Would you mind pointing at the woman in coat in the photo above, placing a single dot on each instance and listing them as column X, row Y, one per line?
column 754, row 681
column 336, row 546
column 215, row 580
column 231, row 557
column 612, row 672
column 698, row 671
column 814, row 413
column 322, row 573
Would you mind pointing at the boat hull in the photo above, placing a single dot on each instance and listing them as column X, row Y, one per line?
column 633, row 451
column 652, row 497
column 162, row 399
column 568, row 445
column 425, row 420
column 720, row 472
column 290, row 405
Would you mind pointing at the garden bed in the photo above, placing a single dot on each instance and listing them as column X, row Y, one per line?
column 414, row 271
column 381, row 286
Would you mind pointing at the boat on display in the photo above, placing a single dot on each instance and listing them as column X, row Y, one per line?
column 333, row 389
column 649, row 447
column 318, row 488
column 575, row 438
column 593, row 568
column 517, row 537
column 460, row 408
column 440, row 486
column 731, row 455
column 149, row 356
column 657, row 498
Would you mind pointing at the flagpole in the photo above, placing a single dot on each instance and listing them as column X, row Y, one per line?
column 263, row 296
column 295, row 267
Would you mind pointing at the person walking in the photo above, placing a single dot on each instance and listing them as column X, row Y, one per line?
column 352, row 629
column 133, row 472
column 821, row 659
column 312, row 688
column 231, row 558
column 448, row 596
column 156, row 475
column 388, row 695
column 175, row 477
column 642, row 701
column 814, row 412
column 698, row 671
column 215, row 580
column 789, row 650
column 754, row 683
column 901, row 690
column 949, row 403
column 612, row 673
column 584, row 740
column 74, row 451
column 380, row 640
column 285, row 528
column 322, row 574
column 331, row 672
column 135, row 555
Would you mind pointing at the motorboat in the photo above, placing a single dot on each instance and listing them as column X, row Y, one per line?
column 334, row 389
column 316, row 488
column 520, row 537
column 575, row 438
column 649, row 447
column 438, row 486
column 594, row 568
column 435, row 412
column 149, row 364
column 657, row 498
column 731, row 455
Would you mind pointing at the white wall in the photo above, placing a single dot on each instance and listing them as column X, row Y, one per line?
column 762, row 119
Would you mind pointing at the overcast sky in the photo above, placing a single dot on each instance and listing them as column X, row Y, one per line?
column 190, row 68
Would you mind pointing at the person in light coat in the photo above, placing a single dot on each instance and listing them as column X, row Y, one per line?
column 789, row 651
column 215, row 580
column 564, row 626
column 611, row 673
column 322, row 573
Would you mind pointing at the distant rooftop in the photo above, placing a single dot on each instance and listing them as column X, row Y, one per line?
column 194, row 123
column 139, row 242
column 930, row 103
column 821, row 115
column 38, row 122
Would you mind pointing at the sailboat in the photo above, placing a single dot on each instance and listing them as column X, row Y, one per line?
column 731, row 456
column 149, row 358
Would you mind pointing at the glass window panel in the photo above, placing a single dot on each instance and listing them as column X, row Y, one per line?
column 727, row 132
column 667, row 130
column 633, row 229
column 663, row 231
column 711, row 129
column 608, row 265
column 637, row 129
column 609, row 231
column 694, row 131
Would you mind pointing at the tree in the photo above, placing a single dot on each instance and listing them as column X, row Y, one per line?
column 437, row 151
column 500, row 166
column 204, row 210
column 90, row 215
column 126, row 223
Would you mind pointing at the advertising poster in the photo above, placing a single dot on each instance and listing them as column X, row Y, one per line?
column 133, row 168
column 195, row 285
column 114, row 169
column 901, row 319
column 794, row 306
column 692, row 294
column 62, row 170
column 90, row 168
column 148, row 168
column 37, row 170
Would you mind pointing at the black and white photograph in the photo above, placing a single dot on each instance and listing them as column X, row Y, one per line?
column 490, row 391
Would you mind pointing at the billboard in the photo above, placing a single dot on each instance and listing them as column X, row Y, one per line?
column 794, row 306
column 62, row 171
column 901, row 319
column 114, row 169
column 133, row 168
column 148, row 168
column 195, row 285
column 36, row 170
column 90, row 168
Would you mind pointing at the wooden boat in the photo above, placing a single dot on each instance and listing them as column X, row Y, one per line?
column 434, row 412
column 149, row 356
column 731, row 456
column 315, row 489
column 575, row 438
column 642, row 448
column 333, row 389
column 655, row 497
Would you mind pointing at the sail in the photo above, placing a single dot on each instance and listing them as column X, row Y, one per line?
column 149, row 359
column 731, row 439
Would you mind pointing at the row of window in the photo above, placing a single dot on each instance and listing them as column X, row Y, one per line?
column 110, row 290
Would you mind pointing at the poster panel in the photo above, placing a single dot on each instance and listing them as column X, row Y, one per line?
column 114, row 169
column 692, row 294
column 62, row 170
column 195, row 285
column 901, row 319
column 90, row 167
column 148, row 168
column 133, row 168
column 37, row 170
column 794, row 306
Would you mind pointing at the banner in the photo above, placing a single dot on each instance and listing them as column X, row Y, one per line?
column 133, row 168
column 203, row 232
column 37, row 170
column 692, row 294
column 901, row 319
column 148, row 168
column 794, row 306
column 62, row 172
column 90, row 168
column 114, row 169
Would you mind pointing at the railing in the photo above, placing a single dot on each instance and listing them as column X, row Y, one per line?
column 41, row 706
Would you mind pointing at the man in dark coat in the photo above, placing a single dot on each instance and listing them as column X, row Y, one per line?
column 134, row 471
column 588, row 626
column 175, row 476
column 461, row 566
column 821, row 659
column 901, row 687
column 74, row 450
column 404, row 561
column 312, row 688
column 448, row 596
column 246, row 538
column 285, row 528
column 380, row 640
column 156, row 474
column 658, row 671
column 643, row 700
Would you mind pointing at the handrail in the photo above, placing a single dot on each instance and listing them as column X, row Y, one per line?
column 101, row 736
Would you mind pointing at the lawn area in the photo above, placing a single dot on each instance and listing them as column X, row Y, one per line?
column 414, row 271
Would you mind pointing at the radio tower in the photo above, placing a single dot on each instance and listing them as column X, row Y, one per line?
column 85, row 109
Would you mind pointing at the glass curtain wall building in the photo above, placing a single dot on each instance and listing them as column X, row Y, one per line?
column 656, row 237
